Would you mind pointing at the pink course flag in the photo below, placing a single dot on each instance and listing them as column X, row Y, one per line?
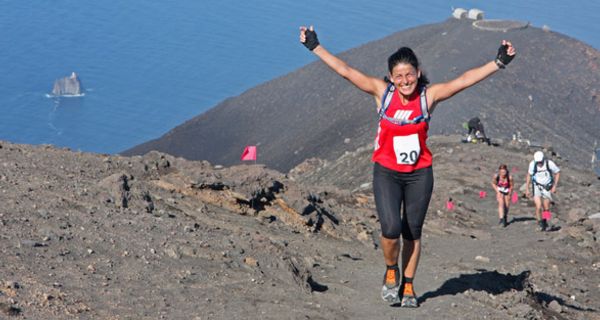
column 515, row 197
column 546, row 215
column 482, row 194
column 249, row 153
column 449, row 205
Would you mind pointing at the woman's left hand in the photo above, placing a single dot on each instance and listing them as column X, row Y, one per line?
column 506, row 53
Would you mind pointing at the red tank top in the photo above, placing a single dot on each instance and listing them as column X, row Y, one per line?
column 403, row 148
column 502, row 183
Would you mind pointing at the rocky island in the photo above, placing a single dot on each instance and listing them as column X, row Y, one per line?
column 68, row 86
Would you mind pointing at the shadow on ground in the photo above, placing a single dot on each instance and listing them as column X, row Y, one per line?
column 496, row 283
column 520, row 219
column 489, row 281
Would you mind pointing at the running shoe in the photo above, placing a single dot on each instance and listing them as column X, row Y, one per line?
column 391, row 285
column 504, row 221
column 544, row 225
column 409, row 298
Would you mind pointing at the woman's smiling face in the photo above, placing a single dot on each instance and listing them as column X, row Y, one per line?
column 405, row 77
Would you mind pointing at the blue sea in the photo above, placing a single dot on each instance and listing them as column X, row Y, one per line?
column 148, row 66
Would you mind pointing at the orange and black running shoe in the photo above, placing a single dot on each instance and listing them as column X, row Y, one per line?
column 409, row 298
column 391, row 285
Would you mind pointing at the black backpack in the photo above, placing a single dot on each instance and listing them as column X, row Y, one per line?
column 507, row 177
column 549, row 185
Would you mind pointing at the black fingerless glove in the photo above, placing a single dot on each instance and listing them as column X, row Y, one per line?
column 503, row 59
column 311, row 40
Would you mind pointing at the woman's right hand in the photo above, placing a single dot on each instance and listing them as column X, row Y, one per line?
column 371, row 85
column 308, row 37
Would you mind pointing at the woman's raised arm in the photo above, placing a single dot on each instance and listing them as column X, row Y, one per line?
column 371, row 85
column 442, row 91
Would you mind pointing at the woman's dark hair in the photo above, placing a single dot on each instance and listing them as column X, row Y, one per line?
column 503, row 166
column 406, row 55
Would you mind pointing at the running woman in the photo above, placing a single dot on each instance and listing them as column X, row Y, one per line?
column 503, row 184
column 402, row 174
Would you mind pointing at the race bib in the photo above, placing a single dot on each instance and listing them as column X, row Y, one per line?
column 407, row 149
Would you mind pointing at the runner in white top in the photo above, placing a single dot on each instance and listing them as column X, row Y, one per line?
column 542, row 179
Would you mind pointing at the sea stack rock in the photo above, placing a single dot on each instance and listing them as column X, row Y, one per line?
column 68, row 86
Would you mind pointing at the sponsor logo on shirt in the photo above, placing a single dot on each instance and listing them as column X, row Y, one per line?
column 402, row 114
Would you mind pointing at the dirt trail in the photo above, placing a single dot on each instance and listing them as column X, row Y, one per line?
column 462, row 277
column 473, row 268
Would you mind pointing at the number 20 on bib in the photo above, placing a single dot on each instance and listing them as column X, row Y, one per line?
column 407, row 149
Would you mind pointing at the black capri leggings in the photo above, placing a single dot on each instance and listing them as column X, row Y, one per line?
column 395, row 190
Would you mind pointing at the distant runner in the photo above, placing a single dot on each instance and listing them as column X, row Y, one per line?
column 476, row 131
column 542, row 179
column 402, row 174
column 503, row 184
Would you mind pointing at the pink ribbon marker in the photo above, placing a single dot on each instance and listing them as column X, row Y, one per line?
column 482, row 194
column 449, row 205
column 546, row 215
column 515, row 197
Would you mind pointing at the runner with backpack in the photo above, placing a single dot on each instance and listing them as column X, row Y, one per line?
column 476, row 131
column 542, row 179
column 402, row 174
column 503, row 184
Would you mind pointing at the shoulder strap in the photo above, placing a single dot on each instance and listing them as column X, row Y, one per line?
column 507, row 178
column 424, row 107
column 535, row 169
column 386, row 99
column 550, row 173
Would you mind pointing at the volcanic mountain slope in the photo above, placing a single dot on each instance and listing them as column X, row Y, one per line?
column 88, row 236
column 549, row 93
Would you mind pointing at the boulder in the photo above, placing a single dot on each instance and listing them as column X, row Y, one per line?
column 576, row 214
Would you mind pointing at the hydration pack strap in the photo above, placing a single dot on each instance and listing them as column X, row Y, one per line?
column 550, row 173
column 386, row 99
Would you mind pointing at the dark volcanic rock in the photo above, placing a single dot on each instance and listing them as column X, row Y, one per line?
column 68, row 86
column 549, row 93
column 84, row 235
